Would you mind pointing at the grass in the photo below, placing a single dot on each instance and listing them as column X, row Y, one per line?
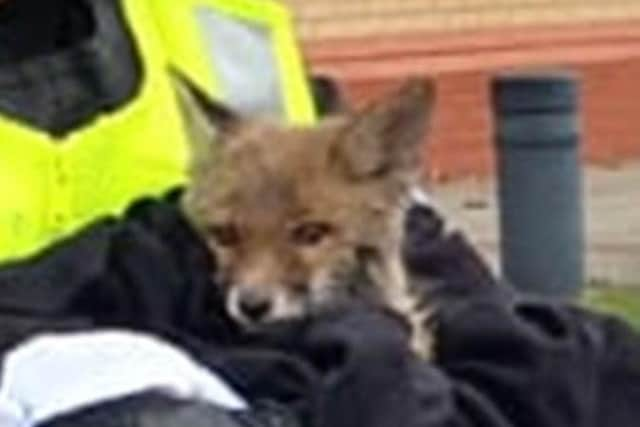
column 623, row 301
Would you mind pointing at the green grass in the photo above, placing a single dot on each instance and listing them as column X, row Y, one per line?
column 623, row 301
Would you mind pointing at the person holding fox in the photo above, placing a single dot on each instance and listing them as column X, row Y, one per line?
column 90, row 122
column 292, row 280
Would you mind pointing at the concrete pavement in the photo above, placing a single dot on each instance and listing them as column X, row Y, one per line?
column 612, row 220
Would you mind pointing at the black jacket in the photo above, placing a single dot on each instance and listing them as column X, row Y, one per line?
column 503, row 361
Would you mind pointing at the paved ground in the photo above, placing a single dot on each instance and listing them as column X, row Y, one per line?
column 612, row 201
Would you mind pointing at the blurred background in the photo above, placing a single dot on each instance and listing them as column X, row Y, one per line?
column 366, row 46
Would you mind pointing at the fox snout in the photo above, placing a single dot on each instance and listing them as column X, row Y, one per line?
column 250, row 305
column 255, row 305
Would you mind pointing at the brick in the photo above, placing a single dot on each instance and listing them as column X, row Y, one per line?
column 461, row 141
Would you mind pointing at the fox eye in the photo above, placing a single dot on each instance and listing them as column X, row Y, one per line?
column 310, row 233
column 225, row 235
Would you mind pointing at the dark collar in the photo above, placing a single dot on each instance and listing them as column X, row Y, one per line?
column 60, row 91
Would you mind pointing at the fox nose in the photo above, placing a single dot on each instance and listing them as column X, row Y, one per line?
column 254, row 305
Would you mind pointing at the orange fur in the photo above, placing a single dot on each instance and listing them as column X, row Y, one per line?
column 292, row 213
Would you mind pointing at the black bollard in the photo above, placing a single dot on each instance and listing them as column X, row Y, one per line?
column 540, row 185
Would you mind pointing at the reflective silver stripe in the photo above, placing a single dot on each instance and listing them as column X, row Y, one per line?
column 244, row 61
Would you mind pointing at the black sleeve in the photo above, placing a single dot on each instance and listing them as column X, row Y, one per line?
column 499, row 363
column 146, row 271
column 444, row 257
column 502, row 361
column 153, row 410
column 527, row 363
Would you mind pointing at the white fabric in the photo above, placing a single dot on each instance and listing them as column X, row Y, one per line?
column 51, row 375
column 242, row 53
column 420, row 196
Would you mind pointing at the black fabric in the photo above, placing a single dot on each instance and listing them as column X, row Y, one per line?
column 31, row 28
column 154, row 410
column 502, row 361
column 64, row 62
column 327, row 96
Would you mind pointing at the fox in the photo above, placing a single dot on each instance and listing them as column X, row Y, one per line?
column 301, row 218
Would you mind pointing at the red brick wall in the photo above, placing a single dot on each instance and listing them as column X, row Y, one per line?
column 606, row 58
column 611, row 111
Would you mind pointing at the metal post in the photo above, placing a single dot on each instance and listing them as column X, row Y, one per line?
column 540, row 184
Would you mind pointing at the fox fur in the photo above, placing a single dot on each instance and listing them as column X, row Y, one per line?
column 300, row 218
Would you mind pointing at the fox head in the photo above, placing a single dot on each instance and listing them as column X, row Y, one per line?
column 294, row 214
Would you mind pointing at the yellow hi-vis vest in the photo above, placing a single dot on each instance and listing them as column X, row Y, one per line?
column 50, row 189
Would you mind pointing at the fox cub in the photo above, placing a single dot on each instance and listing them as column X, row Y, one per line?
column 302, row 218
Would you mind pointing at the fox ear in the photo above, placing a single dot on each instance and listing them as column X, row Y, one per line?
column 207, row 121
column 386, row 138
